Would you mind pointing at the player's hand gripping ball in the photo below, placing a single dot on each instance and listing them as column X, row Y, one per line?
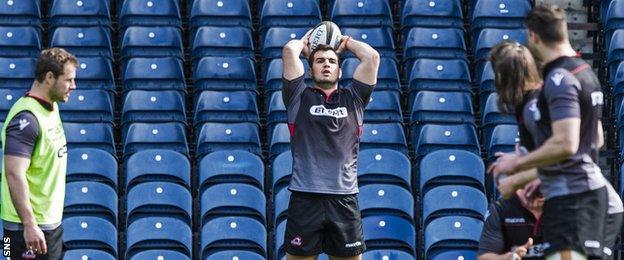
column 326, row 33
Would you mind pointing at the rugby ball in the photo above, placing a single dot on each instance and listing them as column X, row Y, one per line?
column 326, row 33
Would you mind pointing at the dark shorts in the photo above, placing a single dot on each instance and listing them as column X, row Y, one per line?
column 576, row 222
column 54, row 242
column 320, row 223
column 612, row 230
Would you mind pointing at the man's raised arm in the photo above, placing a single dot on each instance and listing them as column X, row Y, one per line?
column 293, row 67
column 366, row 71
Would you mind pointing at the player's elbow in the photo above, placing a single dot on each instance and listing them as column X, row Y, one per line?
column 374, row 57
column 289, row 48
column 567, row 147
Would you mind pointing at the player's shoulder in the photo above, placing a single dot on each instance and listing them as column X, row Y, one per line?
column 559, row 77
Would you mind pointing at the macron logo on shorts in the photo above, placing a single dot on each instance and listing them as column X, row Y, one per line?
column 355, row 244
column 23, row 123
column 297, row 241
column 320, row 110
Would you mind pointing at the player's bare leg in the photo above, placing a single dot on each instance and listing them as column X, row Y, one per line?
column 294, row 257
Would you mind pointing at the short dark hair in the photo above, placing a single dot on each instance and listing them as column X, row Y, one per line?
column 53, row 60
column 322, row 47
column 548, row 22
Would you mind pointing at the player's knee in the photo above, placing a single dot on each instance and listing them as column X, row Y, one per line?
column 567, row 255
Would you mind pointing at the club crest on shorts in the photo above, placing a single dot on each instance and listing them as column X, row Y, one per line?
column 297, row 241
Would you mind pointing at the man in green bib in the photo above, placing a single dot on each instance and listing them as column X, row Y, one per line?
column 35, row 161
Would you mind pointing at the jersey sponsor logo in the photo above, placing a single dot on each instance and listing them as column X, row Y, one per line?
column 61, row 151
column 297, row 241
column 23, row 123
column 514, row 220
column 597, row 98
column 320, row 110
column 537, row 115
column 592, row 244
column 354, row 244
column 556, row 78
column 535, row 251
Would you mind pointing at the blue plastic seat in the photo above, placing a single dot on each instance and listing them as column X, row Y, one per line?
column 386, row 199
column 158, row 253
column 90, row 233
column 507, row 14
column 492, row 116
column 357, row 13
column 20, row 13
column 19, row 42
column 213, row 137
column 383, row 232
column 485, row 80
column 93, row 165
column 279, row 139
column 613, row 18
column 490, row 37
column 273, row 70
column 241, row 233
column 142, row 136
column 456, row 232
column 377, row 166
column 383, row 107
column 434, row 107
column 164, row 73
column 615, row 50
column 390, row 254
column 388, row 135
column 87, row 106
column 286, row 13
column 276, row 110
column 280, row 232
column 140, row 106
column 453, row 200
column 233, row 166
column 226, row 106
column 617, row 81
column 424, row 13
column 276, row 37
column 83, row 41
column 157, row 165
column 158, row 233
column 280, row 202
column 503, row 139
column 225, row 73
column 162, row 199
column 149, row 13
column 17, row 73
column 439, row 75
column 234, row 254
column 232, row 199
column 387, row 75
column 83, row 13
column 379, row 38
column 88, row 198
column 8, row 97
column 152, row 42
column 281, row 170
column 451, row 167
column 434, row 43
column 89, row 253
column 95, row 73
column 454, row 254
column 433, row 137
column 222, row 42
column 220, row 13
column 92, row 135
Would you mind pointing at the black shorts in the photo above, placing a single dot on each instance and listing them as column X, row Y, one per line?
column 612, row 230
column 54, row 242
column 576, row 222
column 320, row 223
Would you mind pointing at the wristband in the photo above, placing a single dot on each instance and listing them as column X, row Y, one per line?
column 346, row 42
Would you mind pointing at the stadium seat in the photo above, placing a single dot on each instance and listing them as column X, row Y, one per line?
column 149, row 13
column 142, row 136
column 453, row 200
column 157, row 165
column 233, row 166
column 161, row 199
column 273, row 75
column 279, row 139
column 433, row 137
column 158, row 233
column 456, row 232
column 455, row 254
column 383, row 107
column 94, row 135
column 503, row 139
column 386, row 199
column 385, row 232
column 159, row 254
column 281, row 199
column 389, row 254
column 20, row 13
column 613, row 18
column 485, row 80
column 356, row 13
column 225, row 74
column 8, row 97
column 434, row 107
column 164, row 73
column 87, row 106
column 17, row 73
column 140, row 106
column 90, row 233
column 226, row 107
column 615, row 50
column 95, row 73
column 424, row 13
column 232, row 199
column 219, row 13
column 80, row 13
column 240, row 233
column 138, row 41
column 450, row 167
column 286, row 13
column 93, row 165
column 213, row 137
column 442, row 43
column 439, row 75
column 280, row 232
column 617, row 81
column 378, row 38
column 222, row 42
column 281, row 170
column 87, row 254
column 276, row 110
column 234, row 254
column 499, row 14
column 493, row 117
column 377, row 166
column 89, row 198
column 387, row 75
column 276, row 37
column 489, row 37
column 388, row 135
column 83, row 41
column 19, row 42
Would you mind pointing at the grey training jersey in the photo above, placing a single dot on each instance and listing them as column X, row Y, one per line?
column 325, row 135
